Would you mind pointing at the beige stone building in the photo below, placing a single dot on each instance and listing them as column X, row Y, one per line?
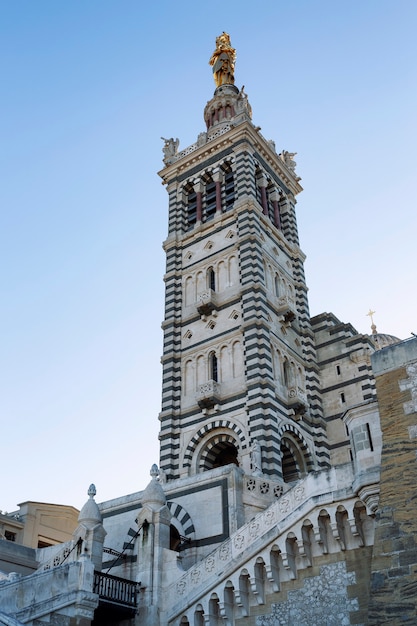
column 34, row 525
column 270, row 485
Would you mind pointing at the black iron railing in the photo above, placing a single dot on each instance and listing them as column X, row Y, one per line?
column 116, row 590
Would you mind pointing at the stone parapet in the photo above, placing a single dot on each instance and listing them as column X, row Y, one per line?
column 66, row 590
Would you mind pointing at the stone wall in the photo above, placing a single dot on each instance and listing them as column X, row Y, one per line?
column 394, row 562
column 332, row 592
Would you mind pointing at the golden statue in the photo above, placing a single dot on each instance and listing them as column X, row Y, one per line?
column 223, row 61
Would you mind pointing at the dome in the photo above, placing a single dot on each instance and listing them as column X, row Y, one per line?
column 381, row 340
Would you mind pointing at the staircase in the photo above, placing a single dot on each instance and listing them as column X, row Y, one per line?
column 319, row 515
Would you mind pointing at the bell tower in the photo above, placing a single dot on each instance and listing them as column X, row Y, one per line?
column 240, row 381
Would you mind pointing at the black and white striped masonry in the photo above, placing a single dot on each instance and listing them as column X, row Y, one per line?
column 239, row 362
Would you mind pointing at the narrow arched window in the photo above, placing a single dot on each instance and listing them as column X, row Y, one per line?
column 277, row 289
column 214, row 372
column 211, row 279
column 286, row 372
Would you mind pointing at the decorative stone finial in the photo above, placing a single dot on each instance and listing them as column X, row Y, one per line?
column 92, row 490
column 90, row 513
column 154, row 496
column 223, row 61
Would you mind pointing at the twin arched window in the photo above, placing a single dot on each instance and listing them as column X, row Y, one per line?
column 202, row 205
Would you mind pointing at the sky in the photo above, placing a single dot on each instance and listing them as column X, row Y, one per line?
column 88, row 89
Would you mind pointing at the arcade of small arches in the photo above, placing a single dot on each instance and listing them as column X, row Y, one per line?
column 218, row 276
column 332, row 530
column 218, row 363
column 276, row 283
column 225, row 362
column 287, row 372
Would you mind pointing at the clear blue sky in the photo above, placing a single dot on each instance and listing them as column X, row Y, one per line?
column 87, row 90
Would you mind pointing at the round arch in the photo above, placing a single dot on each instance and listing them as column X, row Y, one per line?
column 219, row 449
column 296, row 459
column 206, row 438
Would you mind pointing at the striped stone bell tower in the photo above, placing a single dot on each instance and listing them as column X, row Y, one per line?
column 240, row 381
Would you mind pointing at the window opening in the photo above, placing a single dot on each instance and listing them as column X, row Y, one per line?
column 9, row 535
column 210, row 200
column 278, row 220
column 276, row 280
column 290, row 469
column 286, row 369
column 211, row 279
column 214, row 367
column 368, row 430
column 229, row 190
column 258, row 194
column 270, row 206
column 191, row 208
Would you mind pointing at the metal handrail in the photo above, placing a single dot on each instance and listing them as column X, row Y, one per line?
column 116, row 590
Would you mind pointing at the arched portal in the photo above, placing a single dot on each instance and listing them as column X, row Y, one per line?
column 218, row 451
column 292, row 460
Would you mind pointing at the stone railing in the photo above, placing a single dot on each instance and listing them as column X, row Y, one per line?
column 297, row 398
column 206, row 302
column 211, row 136
column 284, row 304
column 286, row 309
column 68, row 589
column 61, row 554
column 208, row 394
